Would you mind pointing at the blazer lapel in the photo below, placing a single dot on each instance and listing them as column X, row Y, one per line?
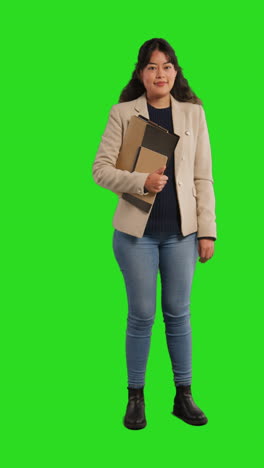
column 178, row 120
column 141, row 106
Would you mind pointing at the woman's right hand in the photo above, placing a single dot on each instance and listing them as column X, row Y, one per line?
column 156, row 181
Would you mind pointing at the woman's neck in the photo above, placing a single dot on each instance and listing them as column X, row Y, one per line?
column 159, row 103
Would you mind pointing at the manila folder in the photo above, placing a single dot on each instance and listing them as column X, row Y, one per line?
column 148, row 161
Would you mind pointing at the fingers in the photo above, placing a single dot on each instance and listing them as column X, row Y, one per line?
column 205, row 250
column 204, row 257
column 156, row 182
column 161, row 183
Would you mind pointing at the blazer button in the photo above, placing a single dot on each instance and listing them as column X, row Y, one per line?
column 179, row 183
column 187, row 132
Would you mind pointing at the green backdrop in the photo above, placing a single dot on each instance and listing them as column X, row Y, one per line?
column 64, row 311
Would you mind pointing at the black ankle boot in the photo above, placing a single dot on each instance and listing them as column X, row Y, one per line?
column 135, row 412
column 185, row 408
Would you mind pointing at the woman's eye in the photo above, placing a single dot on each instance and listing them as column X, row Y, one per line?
column 154, row 68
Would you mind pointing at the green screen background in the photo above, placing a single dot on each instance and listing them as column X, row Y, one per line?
column 64, row 378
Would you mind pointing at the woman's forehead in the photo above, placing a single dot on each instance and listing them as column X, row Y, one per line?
column 159, row 56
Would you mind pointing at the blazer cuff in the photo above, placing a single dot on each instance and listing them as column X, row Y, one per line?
column 142, row 179
column 145, row 192
column 213, row 238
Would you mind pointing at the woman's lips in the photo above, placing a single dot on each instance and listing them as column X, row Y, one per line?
column 161, row 83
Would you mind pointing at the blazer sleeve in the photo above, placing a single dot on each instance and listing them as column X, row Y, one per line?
column 104, row 171
column 203, row 180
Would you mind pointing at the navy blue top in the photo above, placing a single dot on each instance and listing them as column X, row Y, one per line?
column 165, row 213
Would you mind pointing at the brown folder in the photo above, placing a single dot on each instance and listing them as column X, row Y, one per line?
column 146, row 147
column 143, row 132
column 147, row 161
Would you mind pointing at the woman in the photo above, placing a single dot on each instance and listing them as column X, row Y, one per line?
column 179, row 228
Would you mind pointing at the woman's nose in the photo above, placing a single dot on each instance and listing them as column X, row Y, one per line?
column 160, row 72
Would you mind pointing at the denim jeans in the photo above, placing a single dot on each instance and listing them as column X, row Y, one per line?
column 140, row 260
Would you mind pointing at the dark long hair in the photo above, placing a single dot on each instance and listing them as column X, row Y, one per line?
column 135, row 88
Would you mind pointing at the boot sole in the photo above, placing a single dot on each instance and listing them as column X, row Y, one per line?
column 131, row 426
column 191, row 421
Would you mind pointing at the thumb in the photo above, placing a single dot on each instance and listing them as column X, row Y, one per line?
column 160, row 170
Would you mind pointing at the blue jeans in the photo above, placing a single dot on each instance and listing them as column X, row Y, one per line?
column 140, row 259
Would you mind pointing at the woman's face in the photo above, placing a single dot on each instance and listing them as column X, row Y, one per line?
column 158, row 76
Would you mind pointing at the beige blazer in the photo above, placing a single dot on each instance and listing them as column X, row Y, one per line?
column 193, row 168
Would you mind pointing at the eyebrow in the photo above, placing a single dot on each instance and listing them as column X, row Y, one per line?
column 153, row 63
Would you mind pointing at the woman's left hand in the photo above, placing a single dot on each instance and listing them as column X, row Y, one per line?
column 205, row 249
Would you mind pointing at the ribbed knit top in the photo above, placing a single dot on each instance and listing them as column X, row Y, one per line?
column 165, row 214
